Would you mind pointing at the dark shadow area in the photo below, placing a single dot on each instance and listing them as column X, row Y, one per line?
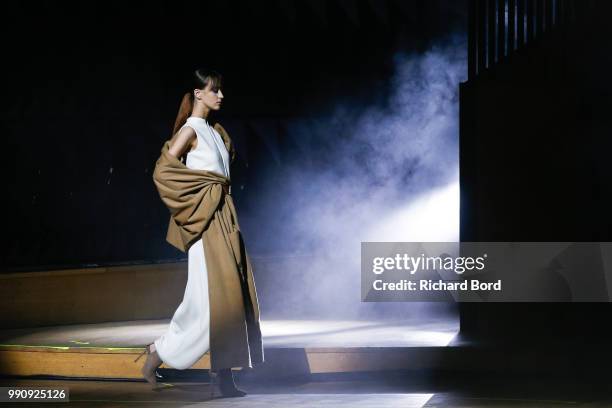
column 535, row 128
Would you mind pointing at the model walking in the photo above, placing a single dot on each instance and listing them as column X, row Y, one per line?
column 219, row 311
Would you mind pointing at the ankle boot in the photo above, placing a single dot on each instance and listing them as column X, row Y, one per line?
column 228, row 388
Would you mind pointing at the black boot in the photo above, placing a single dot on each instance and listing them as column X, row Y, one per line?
column 226, row 384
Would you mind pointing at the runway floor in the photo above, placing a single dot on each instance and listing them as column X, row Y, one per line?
column 384, row 390
column 410, row 388
column 276, row 333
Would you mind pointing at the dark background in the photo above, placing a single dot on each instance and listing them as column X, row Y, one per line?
column 535, row 166
column 92, row 89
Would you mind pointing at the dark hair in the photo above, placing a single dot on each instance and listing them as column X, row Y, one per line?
column 200, row 79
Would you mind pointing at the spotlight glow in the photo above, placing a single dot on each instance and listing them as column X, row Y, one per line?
column 432, row 217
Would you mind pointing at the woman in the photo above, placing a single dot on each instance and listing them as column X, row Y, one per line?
column 219, row 311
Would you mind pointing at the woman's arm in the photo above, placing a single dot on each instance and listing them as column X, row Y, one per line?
column 184, row 140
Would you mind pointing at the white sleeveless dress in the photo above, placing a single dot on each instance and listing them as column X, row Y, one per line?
column 187, row 337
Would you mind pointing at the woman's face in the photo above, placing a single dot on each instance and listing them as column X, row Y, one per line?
column 210, row 97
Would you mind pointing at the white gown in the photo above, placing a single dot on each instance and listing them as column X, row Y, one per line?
column 187, row 337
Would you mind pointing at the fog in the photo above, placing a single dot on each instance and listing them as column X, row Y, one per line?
column 386, row 169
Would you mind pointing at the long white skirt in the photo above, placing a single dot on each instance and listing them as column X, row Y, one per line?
column 187, row 338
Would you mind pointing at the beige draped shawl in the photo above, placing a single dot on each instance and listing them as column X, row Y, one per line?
column 199, row 207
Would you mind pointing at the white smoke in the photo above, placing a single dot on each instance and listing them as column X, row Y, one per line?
column 385, row 172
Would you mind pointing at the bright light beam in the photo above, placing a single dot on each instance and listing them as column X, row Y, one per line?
column 433, row 217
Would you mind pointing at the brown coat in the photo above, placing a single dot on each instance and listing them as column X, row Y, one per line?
column 199, row 207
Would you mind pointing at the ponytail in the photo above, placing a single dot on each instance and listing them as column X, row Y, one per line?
column 184, row 112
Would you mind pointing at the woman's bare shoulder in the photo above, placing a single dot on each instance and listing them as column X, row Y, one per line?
column 183, row 139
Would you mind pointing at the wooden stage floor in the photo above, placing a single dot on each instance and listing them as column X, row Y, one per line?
column 276, row 334
column 293, row 347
